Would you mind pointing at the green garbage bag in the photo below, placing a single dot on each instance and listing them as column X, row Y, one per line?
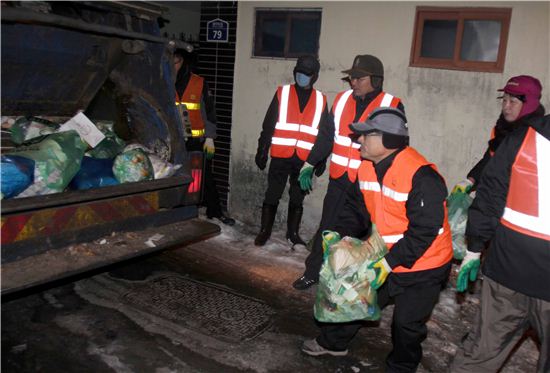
column 458, row 204
column 25, row 129
column 133, row 165
column 57, row 159
column 344, row 292
column 110, row 146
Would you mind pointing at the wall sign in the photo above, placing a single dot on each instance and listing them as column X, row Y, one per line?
column 217, row 31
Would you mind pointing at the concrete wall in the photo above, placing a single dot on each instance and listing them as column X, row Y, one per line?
column 450, row 112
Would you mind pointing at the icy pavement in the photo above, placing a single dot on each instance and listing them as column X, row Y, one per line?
column 450, row 321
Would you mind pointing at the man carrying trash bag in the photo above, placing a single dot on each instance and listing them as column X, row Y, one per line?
column 405, row 196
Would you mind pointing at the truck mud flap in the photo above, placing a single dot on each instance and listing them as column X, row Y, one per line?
column 85, row 257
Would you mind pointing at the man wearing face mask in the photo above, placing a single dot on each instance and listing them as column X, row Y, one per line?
column 341, row 207
column 289, row 131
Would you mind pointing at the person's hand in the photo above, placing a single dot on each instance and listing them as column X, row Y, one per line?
column 261, row 160
column 382, row 269
column 463, row 187
column 329, row 239
column 468, row 270
column 306, row 174
column 209, row 148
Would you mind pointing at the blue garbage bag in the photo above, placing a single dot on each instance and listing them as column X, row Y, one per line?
column 94, row 173
column 17, row 174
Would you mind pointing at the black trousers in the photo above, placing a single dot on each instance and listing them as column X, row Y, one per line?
column 413, row 306
column 211, row 198
column 344, row 211
column 280, row 171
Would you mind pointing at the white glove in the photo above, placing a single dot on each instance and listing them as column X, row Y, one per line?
column 209, row 148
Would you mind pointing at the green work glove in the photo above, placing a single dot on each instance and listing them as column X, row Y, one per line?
column 329, row 239
column 209, row 148
column 382, row 269
column 468, row 270
column 306, row 176
column 463, row 187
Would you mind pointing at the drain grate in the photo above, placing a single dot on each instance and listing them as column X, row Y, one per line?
column 207, row 309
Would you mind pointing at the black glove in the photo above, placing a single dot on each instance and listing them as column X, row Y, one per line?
column 320, row 167
column 261, row 160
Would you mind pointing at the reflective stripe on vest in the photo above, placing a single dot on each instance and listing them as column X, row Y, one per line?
column 528, row 201
column 346, row 156
column 387, row 207
column 296, row 131
column 191, row 98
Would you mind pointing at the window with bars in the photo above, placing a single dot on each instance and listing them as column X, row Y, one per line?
column 472, row 39
column 286, row 33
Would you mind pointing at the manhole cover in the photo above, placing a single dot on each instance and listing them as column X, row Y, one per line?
column 204, row 308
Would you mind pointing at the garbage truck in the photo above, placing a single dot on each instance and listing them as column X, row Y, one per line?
column 108, row 61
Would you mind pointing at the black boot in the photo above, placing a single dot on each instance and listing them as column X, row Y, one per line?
column 268, row 218
column 293, row 225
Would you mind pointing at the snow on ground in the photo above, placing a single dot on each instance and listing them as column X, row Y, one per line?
column 452, row 317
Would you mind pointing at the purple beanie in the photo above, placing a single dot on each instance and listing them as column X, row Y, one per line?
column 527, row 86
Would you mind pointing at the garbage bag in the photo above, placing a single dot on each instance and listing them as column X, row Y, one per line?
column 110, row 146
column 17, row 174
column 133, row 165
column 344, row 292
column 457, row 208
column 94, row 173
column 161, row 168
column 29, row 128
column 57, row 159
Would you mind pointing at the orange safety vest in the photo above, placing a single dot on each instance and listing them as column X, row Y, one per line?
column 296, row 131
column 345, row 155
column 528, row 203
column 387, row 207
column 191, row 98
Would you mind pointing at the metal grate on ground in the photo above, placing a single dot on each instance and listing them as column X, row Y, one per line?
column 204, row 308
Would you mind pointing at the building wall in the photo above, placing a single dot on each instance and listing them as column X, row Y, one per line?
column 450, row 113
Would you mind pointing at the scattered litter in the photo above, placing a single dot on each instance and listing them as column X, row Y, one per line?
column 103, row 242
column 365, row 363
column 150, row 242
column 19, row 348
column 355, row 369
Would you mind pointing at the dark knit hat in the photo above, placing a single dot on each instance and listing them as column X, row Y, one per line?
column 364, row 65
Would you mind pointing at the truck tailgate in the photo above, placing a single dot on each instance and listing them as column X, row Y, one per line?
column 83, row 257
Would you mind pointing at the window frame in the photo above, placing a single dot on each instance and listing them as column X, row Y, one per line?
column 424, row 13
column 288, row 14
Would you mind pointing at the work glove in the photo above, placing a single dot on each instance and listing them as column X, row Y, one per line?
column 305, row 177
column 209, row 148
column 463, row 187
column 382, row 269
column 468, row 270
column 329, row 239
column 320, row 168
column 261, row 160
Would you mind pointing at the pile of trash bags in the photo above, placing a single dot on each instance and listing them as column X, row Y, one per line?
column 344, row 292
column 79, row 154
column 458, row 204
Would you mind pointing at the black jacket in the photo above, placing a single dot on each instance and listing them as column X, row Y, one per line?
column 515, row 260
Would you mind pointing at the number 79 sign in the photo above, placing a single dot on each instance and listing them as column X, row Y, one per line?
column 217, row 31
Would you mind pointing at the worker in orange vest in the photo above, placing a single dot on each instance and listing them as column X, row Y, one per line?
column 511, row 215
column 366, row 78
column 289, row 131
column 195, row 103
column 405, row 198
column 520, row 106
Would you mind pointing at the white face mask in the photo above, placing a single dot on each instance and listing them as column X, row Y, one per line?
column 303, row 80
